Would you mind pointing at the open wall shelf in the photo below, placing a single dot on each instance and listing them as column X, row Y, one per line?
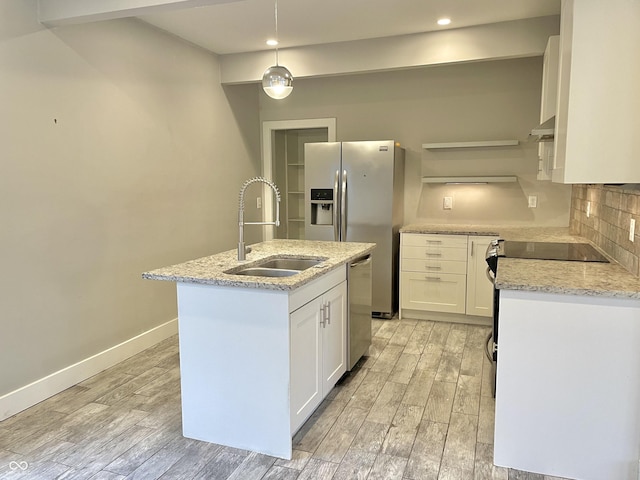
column 478, row 144
column 471, row 180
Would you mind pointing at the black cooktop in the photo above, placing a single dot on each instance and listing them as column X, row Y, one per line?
column 576, row 252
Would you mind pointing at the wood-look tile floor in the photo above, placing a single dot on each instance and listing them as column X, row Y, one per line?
column 418, row 408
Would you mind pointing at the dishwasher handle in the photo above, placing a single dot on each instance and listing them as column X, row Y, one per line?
column 361, row 261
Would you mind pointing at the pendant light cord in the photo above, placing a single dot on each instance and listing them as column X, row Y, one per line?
column 277, row 39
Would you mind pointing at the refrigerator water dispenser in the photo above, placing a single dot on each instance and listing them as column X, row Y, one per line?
column 322, row 206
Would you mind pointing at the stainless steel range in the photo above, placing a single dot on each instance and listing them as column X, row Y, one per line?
column 571, row 252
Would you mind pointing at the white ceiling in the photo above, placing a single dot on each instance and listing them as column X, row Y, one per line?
column 244, row 26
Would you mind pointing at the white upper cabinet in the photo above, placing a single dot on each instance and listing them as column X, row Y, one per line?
column 598, row 112
column 549, row 103
column 550, row 79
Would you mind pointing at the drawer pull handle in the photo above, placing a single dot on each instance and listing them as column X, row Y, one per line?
column 432, row 268
column 434, row 241
column 433, row 254
column 433, row 279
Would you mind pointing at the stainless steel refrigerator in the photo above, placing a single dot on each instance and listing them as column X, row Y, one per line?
column 354, row 192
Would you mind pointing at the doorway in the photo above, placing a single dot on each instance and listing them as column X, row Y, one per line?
column 283, row 163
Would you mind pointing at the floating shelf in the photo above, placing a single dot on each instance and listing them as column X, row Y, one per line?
column 471, row 180
column 480, row 144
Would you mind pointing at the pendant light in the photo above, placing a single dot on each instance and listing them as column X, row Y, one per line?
column 277, row 81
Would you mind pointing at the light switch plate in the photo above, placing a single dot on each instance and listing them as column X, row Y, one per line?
column 533, row 201
column 259, row 202
column 447, row 203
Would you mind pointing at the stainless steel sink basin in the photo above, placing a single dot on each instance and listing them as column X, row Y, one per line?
column 286, row 263
column 267, row 272
column 278, row 267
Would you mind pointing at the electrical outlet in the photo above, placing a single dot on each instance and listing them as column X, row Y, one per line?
column 447, row 203
column 632, row 229
column 533, row 201
column 259, row 202
column 588, row 209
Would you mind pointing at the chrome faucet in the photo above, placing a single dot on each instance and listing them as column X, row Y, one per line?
column 242, row 250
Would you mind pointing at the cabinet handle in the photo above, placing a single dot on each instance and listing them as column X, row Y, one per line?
column 472, row 246
column 327, row 310
column 322, row 318
column 433, row 279
column 434, row 241
column 432, row 268
column 433, row 254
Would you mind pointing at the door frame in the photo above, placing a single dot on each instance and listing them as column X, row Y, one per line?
column 268, row 127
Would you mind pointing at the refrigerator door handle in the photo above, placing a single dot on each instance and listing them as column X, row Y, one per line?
column 343, row 208
column 336, row 223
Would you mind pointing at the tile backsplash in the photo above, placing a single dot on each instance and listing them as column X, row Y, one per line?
column 607, row 225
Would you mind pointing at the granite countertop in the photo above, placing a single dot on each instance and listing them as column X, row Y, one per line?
column 211, row 270
column 550, row 276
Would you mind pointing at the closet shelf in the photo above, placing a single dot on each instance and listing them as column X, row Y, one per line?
column 478, row 144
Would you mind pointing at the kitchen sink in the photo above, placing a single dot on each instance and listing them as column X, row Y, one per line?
column 288, row 263
column 266, row 272
column 278, row 267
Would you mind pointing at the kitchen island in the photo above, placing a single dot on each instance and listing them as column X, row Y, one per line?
column 258, row 354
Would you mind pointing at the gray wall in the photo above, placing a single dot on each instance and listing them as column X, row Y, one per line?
column 119, row 152
column 492, row 100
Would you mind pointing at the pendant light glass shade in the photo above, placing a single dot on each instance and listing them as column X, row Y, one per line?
column 277, row 82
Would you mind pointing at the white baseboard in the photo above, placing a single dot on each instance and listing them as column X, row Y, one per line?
column 29, row 395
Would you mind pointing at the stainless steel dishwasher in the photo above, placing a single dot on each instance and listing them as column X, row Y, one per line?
column 359, row 296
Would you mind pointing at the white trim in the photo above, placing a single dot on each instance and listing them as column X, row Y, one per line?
column 268, row 127
column 29, row 395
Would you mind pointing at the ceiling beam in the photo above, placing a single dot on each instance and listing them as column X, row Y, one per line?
column 67, row 12
column 495, row 41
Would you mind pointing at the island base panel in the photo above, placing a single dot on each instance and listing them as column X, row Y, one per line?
column 568, row 385
column 234, row 363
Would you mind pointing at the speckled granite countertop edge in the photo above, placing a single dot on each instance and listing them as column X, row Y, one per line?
column 211, row 270
column 548, row 276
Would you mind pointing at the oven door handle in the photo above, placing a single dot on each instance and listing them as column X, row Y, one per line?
column 486, row 346
column 490, row 275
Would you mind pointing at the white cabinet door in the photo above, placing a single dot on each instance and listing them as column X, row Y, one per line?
column 441, row 292
column 479, row 287
column 334, row 336
column 318, row 351
column 548, row 103
column 598, row 110
column 306, row 342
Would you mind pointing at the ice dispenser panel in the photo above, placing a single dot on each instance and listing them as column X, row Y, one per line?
column 322, row 206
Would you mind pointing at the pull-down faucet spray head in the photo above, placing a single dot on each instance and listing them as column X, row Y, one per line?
column 242, row 250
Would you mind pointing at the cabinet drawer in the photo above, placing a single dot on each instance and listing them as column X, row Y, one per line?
column 433, row 266
column 436, row 253
column 420, row 239
column 433, row 292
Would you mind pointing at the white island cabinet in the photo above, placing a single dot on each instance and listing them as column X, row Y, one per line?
column 318, row 351
column 252, row 361
column 258, row 354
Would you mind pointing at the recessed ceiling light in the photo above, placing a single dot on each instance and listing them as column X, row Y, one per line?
column 272, row 43
column 444, row 21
